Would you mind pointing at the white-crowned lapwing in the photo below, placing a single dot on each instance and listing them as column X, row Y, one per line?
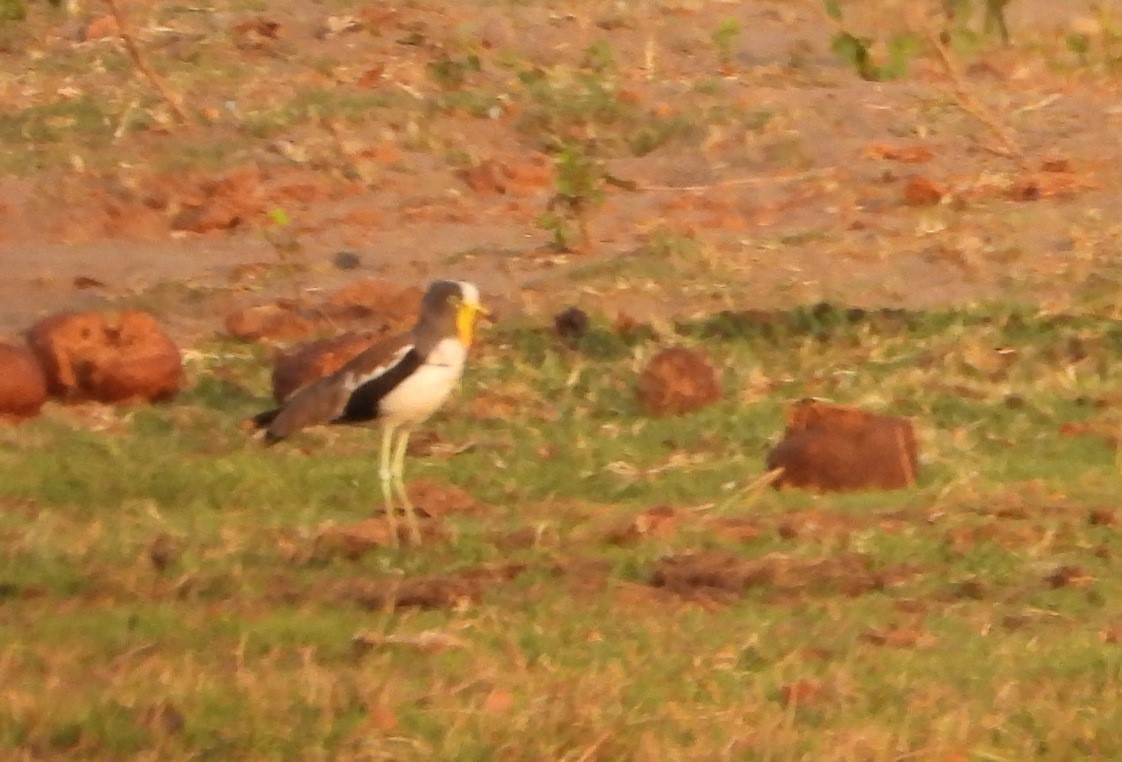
column 399, row 382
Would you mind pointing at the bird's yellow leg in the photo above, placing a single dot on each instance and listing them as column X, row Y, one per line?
column 399, row 483
column 385, row 473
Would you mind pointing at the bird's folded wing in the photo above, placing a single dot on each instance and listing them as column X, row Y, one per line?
column 326, row 400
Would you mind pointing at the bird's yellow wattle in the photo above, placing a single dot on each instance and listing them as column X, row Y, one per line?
column 465, row 323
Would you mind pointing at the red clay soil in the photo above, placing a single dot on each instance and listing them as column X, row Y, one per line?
column 806, row 191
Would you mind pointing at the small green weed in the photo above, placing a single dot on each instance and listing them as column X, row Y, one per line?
column 724, row 36
column 579, row 189
column 12, row 10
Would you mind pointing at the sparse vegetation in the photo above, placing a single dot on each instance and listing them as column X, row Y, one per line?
column 222, row 625
column 723, row 38
column 846, row 221
column 858, row 50
column 580, row 180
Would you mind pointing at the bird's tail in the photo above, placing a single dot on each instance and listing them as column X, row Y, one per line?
column 261, row 422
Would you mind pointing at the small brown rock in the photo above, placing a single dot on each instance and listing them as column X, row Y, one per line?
column 99, row 28
column 678, row 380
column 208, row 204
column 303, row 364
column 922, row 191
column 107, row 358
column 831, row 448
column 163, row 552
column 23, row 385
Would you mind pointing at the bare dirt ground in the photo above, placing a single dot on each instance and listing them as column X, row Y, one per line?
column 792, row 179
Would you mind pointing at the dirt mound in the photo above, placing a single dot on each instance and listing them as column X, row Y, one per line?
column 571, row 325
column 723, row 575
column 351, row 541
column 678, row 380
column 432, row 591
column 832, row 448
column 107, row 358
column 23, row 385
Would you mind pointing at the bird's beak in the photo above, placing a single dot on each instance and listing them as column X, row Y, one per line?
column 465, row 321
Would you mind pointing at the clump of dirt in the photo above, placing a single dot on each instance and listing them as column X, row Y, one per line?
column 831, row 448
column 584, row 574
column 899, row 637
column 509, row 176
column 804, row 692
column 725, row 576
column 1104, row 428
column 431, row 501
column 1067, row 574
column 155, row 204
column 571, row 324
column 678, row 380
column 430, row 592
column 23, row 385
column 107, row 358
column 1102, row 517
column 437, row 500
column 164, row 551
column 661, row 522
column 351, row 541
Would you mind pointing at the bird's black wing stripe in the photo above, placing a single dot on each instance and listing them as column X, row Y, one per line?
column 362, row 405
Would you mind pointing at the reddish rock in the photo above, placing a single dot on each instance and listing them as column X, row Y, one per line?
column 99, row 28
column 678, row 380
column 23, row 385
column 269, row 321
column 831, row 448
column 208, row 204
column 303, row 364
column 922, row 191
column 107, row 358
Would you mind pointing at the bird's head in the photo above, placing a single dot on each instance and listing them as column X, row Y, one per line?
column 458, row 301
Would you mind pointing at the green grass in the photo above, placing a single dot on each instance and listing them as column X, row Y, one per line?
column 984, row 635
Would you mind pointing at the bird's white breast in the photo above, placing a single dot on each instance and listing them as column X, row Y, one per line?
column 426, row 389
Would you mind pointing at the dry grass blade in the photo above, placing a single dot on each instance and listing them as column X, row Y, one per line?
column 428, row 641
column 965, row 100
column 141, row 64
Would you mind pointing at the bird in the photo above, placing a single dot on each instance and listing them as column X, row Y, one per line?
column 398, row 382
